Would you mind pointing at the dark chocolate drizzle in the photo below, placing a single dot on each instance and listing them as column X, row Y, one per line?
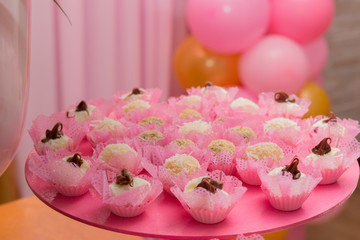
column 323, row 147
column 82, row 106
column 209, row 84
column 210, row 184
column 75, row 160
column 292, row 168
column 283, row 97
column 125, row 178
column 136, row 91
column 332, row 118
column 54, row 133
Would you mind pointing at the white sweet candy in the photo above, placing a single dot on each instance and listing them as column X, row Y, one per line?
column 197, row 126
column 81, row 116
column 181, row 163
column 109, row 124
column 244, row 104
column 116, row 189
column 330, row 160
column 192, row 101
column 119, row 150
column 264, row 150
column 336, row 128
column 280, row 123
column 205, row 201
column 55, row 144
column 136, row 105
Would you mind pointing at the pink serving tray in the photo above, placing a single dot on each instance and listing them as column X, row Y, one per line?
column 166, row 218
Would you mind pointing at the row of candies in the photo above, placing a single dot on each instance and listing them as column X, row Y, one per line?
column 178, row 142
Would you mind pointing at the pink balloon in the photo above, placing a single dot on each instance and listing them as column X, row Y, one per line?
column 228, row 26
column 319, row 80
column 317, row 53
column 275, row 63
column 246, row 93
column 301, row 20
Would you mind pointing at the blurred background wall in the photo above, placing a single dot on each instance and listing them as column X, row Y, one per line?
column 342, row 73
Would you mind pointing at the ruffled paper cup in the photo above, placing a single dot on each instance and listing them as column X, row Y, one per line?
column 342, row 132
column 130, row 203
column 168, row 179
column 289, row 110
column 96, row 136
column 117, row 162
column 66, row 178
column 102, row 108
column 286, row 194
column 248, row 169
column 70, row 129
column 209, row 208
column 216, row 94
column 332, row 167
column 225, row 161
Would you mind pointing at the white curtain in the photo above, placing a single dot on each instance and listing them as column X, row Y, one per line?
column 111, row 45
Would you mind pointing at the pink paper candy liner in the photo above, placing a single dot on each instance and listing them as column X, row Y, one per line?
column 72, row 191
column 331, row 167
column 95, row 136
column 128, row 211
column 155, row 157
column 136, row 115
column 169, row 180
column 119, row 161
column 341, row 132
column 64, row 177
column 152, row 95
column 287, row 203
column 102, row 109
column 130, row 203
column 271, row 108
column 219, row 205
column 70, row 129
column 208, row 217
column 248, row 169
column 287, row 135
column 214, row 94
column 287, row 194
column 330, row 176
column 225, row 161
column 176, row 103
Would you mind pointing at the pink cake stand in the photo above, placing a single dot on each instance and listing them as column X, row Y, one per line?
column 166, row 218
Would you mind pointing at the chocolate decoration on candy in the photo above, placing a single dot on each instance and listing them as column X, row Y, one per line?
column 125, row 178
column 332, row 118
column 210, row 184
column 283, row 97
column 136, row 91
column 292, row 168
column 323, row 147
column 82, row 106
column 75, row 160
column 54, row 133
column 209, row 84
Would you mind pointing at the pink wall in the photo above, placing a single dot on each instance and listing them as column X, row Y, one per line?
column 111, row 45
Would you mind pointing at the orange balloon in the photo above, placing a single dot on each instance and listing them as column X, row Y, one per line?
column 320, row 103
column 194, row 65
